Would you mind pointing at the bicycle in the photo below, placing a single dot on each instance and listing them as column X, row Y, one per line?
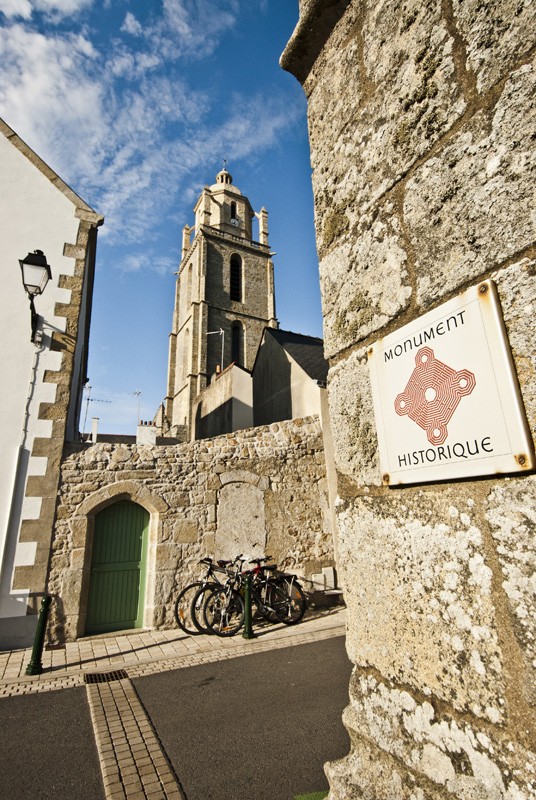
column 184, row 609
column 224, row 611
column 288, row 599
column 222, row 607
column 277, row 598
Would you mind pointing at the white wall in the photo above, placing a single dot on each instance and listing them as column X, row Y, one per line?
column 35, row 214
column 305, row 392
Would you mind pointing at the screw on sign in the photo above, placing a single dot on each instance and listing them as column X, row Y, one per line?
column 432, row 394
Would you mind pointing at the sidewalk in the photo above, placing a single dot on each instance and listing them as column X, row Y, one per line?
column 143, row 652
column 133, row 763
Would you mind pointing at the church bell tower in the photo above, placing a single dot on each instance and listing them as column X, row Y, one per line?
column 224, row 297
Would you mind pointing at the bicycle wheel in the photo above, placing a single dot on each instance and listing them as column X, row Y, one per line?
column 197, row 607
column 224, row 612
column 288, row 600
column 183, row 608
column 264, row 605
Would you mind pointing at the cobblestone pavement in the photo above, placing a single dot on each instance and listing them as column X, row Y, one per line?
column 133, row 763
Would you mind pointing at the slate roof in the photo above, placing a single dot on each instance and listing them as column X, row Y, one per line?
column 307, row 352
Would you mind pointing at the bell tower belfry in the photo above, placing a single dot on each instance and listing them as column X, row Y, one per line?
column 224, row 296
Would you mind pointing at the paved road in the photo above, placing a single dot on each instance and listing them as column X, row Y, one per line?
column 257, row 727
column 47, row 748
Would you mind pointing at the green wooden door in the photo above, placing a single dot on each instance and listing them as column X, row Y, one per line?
column 117, row 583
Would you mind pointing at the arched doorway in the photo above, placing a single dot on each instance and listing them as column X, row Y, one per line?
column 116, row 597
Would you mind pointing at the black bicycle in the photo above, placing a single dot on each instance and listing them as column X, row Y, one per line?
column 185, row 611
column 277, row 598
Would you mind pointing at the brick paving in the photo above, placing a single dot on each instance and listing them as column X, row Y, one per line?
column 133, row 764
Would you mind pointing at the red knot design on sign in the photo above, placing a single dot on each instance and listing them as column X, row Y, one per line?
column 432, row 394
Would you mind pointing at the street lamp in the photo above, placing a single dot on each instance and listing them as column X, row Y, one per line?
column 36, row 274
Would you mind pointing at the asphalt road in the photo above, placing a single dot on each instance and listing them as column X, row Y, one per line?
column 257, row 727
column 47, row 748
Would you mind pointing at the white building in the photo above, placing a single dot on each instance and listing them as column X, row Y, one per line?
column 42, row 379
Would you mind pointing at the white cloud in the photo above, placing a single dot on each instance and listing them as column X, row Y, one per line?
column 61, row 7
column 131, row 25
column 137, row 261
column 52, row 8
column 125, row 135
column 192, row 27
column 16, row 8
column 51, row 97
column 131, row 65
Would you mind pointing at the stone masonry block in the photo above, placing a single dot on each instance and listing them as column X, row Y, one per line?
column 384, row 92
column 368, row 772
column 418, row 586
column 352, row 420
column 459, row 205
column 33, row 530
column 495, row 35
column 185, row 531
column 462, row 757
column 364, row 282
column 239, row 475
column 32, row 578
column 42, row 485
column 517, row 290
column 511, row 513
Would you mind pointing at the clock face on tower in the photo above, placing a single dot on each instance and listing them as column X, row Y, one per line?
column 234, row 222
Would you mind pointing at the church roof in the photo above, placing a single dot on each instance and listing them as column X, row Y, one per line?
column 306, row 351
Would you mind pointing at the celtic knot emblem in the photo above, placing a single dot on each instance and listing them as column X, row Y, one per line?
column 432, row 394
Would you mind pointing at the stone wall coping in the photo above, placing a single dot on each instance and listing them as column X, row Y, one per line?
column 310, row 35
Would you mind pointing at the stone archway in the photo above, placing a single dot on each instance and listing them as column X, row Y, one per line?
column 116, row 597
column 75, row 582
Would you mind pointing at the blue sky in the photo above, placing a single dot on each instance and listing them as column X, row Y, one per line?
column 135, row 104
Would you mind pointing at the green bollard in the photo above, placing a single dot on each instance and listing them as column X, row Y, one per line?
column 248, row 627
column 35, row 667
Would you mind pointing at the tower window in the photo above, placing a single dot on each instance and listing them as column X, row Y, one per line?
column 237, row 343
column 233, row 210
column 236, row 278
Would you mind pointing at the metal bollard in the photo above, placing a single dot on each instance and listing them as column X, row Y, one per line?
column 248, row 627
column 35, row 667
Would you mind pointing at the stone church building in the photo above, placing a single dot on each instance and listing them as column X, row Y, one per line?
column 224, row 297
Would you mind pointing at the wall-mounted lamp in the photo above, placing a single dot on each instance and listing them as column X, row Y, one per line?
column 36, row 273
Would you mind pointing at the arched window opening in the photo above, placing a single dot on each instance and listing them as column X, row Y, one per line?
column 185, row 352
column 236, row 278
column 233, row 210
column 237, row 343
column 189, row 287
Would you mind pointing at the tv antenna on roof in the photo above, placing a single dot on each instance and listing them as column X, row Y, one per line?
column 219, row 332
column 137, row 393
column 89, row 399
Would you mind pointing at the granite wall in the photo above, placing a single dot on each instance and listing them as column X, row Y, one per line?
column 423, row 147
column 257, row 491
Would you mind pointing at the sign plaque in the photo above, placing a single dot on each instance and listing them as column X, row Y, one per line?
column 446, row 397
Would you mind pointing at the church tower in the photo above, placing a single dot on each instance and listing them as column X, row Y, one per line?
column 224, row 297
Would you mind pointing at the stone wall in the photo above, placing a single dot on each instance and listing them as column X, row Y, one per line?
column 257, row 491
column 423, row 146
